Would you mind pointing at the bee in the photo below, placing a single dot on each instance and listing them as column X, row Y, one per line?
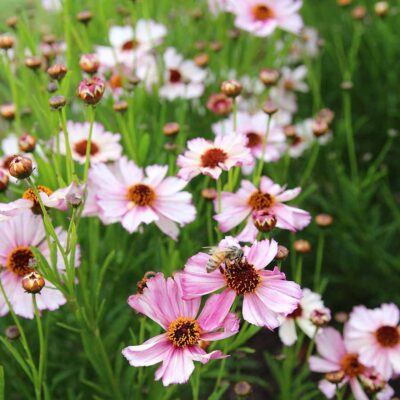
column 227, row 255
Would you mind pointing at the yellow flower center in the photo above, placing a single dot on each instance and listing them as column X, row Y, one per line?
column 184, row 332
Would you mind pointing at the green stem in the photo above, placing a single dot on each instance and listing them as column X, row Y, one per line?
column 69, row 161
column 318, row 263
column 260, row 167
column 42, row 350
column 350, row 136
column 91, row 113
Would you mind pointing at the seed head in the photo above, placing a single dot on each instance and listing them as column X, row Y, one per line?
column 33, row 282
column 21, row 167
column 242, row 389
column 381, row 8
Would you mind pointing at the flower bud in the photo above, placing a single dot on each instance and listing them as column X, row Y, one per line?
column 219, row 104
column 231, row 88
column 170, row 147
column 359, row 12
column 33, row 282
column 264, row 221
column 52, row 87
column 89, row 63
column 21, row 167
column 33, row 62
column 120, row 106
column 12, row 332
column 49, row 39
column 320, row 317
column 12, row 21
column 290, row 131
column 216, row 46
column 75, row 194
column 91, row 90
column 209, row 194
column 57, row 72
column 27, row 143
column 233, row 34
column 270, row 108
column 171, row 129
column 282, row 253
column 57, row 102
column 324, row 220
column 341, row 317
column 302, row 246
column 84, row 16
column 372, row 381
column 7, row 111
column 242, row 389
column 326, row 115
column 319, row 127
column 343, row 3
column 3, row 181
column 335, row 377
column 200, row 45
column 196, row 14
column 6, row 42
column 201, row 60
column 269, row 77
column 381, row 8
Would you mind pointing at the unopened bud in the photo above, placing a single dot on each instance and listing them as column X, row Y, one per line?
column 49, row 39
column 320, row 317
column 242, row 389
column 319, row 127
column 120, row 106
column 6, row 42
column 84, row 16
column 264, row 221
column 33, row 282
column 12, row 21
column 359, row 12
column 219, row 104
column 209, row 194
column 27, row 143
column 231, row 88
column 343, row 3
column 57, row 102
column 200, row 45
column 201, row 60
column 216, row 47
column 270, row 108
column 91, row 90
column 171, row 129
column 170, row 147
column 196, row 14
column 269, row 77
column 57, row 72
column 302, row 246
column 21, row 167
column 326, row 115
column 335, row 377
column 89, row 63
column 290, row 131
column 372, row 381
column 324, row 220
column 75, row 194
column 7, row 111
column 381, row 8
column 12, row 332
column 341, row 317
column 4, row 180
column 33, row 62
column 282, row 253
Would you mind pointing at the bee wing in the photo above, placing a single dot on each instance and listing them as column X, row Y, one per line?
column 210, row 249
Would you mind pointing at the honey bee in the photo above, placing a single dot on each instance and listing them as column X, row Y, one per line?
column 227, row 255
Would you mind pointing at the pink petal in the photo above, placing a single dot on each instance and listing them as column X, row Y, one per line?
column 262, row 253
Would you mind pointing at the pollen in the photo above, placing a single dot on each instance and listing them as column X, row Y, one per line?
column 184, row 332
column 262, row 13
column 80, row 148
column 141, row 195
column 213, row 157
column 260, row 201
column 388, row 336
column 253, row 140
column 351, row 366
column 29, row 194
column 242, row 277
column 20, row 260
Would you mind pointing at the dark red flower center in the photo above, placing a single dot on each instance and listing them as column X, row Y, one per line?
column 351, row 366
column 130, row 45
column 184, row 332
column 174, row 76
column 20, row 260
column 213, row 157
column 260, row 201
column 253, row 139
column 80, row 148
column 262, row 12
column 388, row 336
column 241, row 276
column 141, row 195
column 297, row 313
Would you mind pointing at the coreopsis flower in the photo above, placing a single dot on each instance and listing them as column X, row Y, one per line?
column 182, row 78
column 19, row 234
column 185, row 329
column 266, row 293
column 341, row 366
column 253, row 128
column 262, row 17
column 125, row 194
column 269, row 198
column 375, row 336
column 105, row 146
column 212, row 157
column 301, row 317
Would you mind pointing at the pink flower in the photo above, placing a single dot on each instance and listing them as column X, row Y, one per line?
column 335, row 357
column 375, row 335
column 124, row 194
column 184, row 327
column 18, row 235
column 262, row 17
column 105, row 146
column 266, row 294
column 270, row 198
column 211, row 158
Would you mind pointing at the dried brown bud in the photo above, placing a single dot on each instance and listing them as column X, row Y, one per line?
column 57, row 102
column 3, row 180
column 21, row 167
column 33, row 282
column 57, row 72
column 320, row 317
column 270, row 108
column 335, row 377
column 89, row 63
column 359, row 12
column 216, row 46
column 201, row 60
column 319, row 127
column 7, row 111
column 12, row 21
column 27, row 143
column 6, row 42
column 242, row 389
column 324, row 220
column 84, row 16
column 231, row 88
column 120, row 106
column 209, row 194
column 302, row 246
column 381, row 8
column 171, row 129
column 269, row 77
column 282, row 253
column 33, row 62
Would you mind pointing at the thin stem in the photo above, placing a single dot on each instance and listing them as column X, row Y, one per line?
column 234, row 114
column 350, row 136
column 219, row 189
column 318, row 264
column 91, row 113
column 69, row 161
column 42, row 349
column 259, row 171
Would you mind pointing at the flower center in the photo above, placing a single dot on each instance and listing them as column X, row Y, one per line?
column 174, row 76
column 351, row 366
column 262, row 12
column 115, row 81
column 213, row 157
column 288, row 85
column 141, row 195
column 29, row 194
column 253, row 140
column 242, row 277
column 20, row 260
column 388, row 336
column 130, row 45
column 260, row 201
column 184, row 332
column 297, row 313
column 80, row 148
